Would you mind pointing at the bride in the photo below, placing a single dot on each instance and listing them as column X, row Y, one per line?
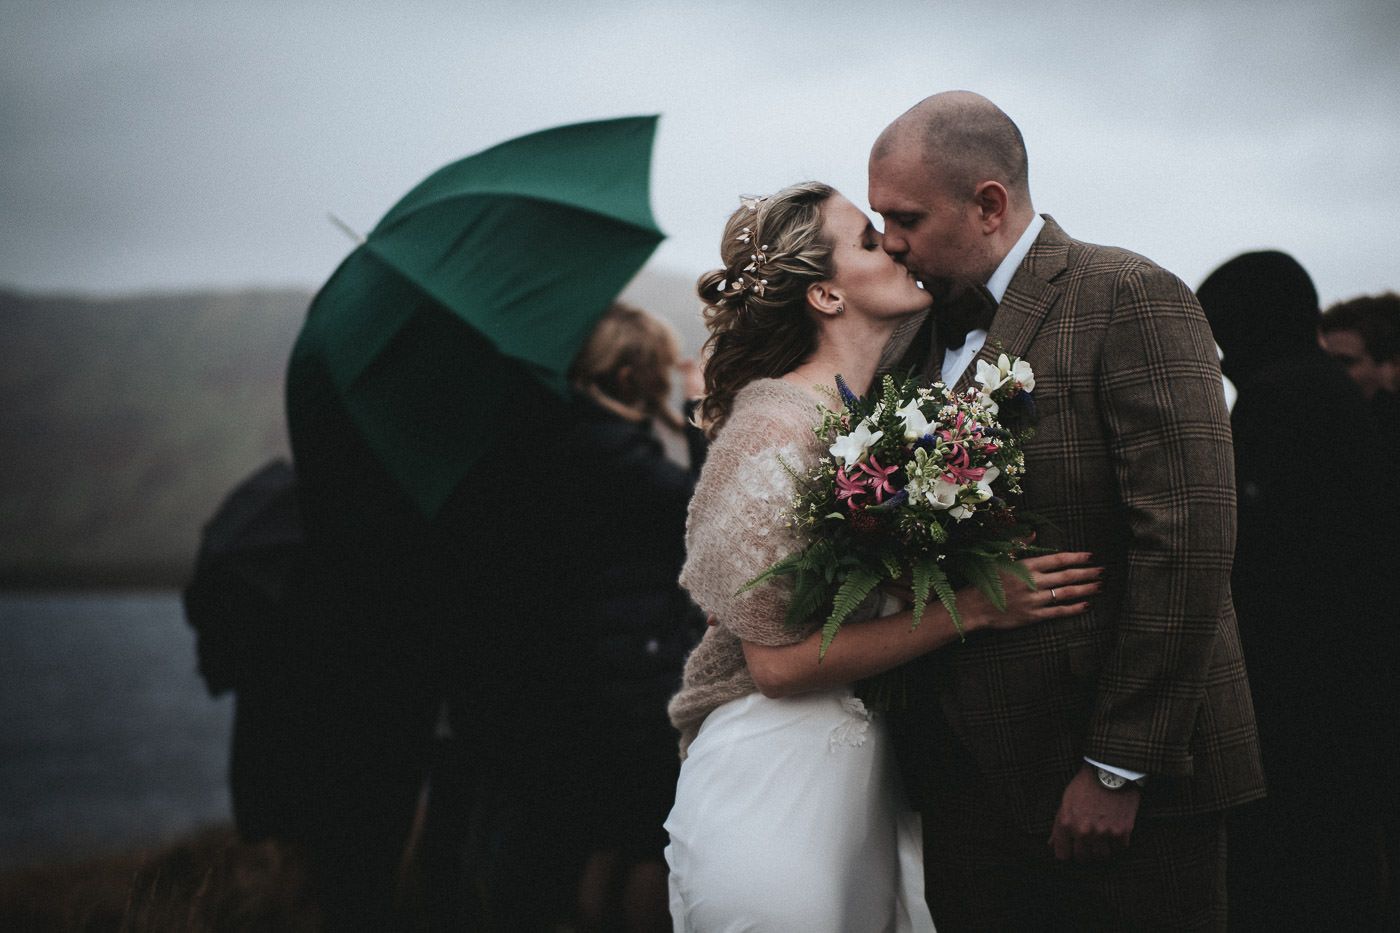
column 788, row 815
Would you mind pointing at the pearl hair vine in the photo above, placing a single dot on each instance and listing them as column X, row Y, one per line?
column 749, row 237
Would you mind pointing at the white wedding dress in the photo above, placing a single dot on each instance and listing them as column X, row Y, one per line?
column 789, row 817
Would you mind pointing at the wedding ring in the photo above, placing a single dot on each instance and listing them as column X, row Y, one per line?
column 1054, row 597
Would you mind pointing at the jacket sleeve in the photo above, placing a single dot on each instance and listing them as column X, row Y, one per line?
column 1168, row 434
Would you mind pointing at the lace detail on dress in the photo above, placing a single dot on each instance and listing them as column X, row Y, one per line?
column 852, row 731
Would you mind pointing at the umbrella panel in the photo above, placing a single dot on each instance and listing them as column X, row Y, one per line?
column 532, row 276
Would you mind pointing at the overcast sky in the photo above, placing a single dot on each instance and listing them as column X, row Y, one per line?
column 148, row 144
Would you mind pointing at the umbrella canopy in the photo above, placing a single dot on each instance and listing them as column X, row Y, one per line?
column 494, row 267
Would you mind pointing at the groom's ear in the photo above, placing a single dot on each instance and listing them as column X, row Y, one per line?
column 991, row 200
column 823, row 298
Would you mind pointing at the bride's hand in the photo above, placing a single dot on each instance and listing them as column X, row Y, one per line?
column 1063, row 584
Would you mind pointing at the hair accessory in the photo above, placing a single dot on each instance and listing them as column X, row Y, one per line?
column 755, row 285
column 752, row 203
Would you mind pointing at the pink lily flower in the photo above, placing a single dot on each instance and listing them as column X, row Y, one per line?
column 965, row 474
column 849, row 489
column 878, row 478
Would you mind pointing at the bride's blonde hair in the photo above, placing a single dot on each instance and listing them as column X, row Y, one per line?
column 755, row 306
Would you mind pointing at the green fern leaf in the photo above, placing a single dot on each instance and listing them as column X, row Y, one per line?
column 854, row 589
column 808, row 598
column 921, row 583
column 981, row 572
column 788, row 565
column 1017, row 570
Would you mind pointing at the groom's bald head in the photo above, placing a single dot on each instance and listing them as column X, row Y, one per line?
column 963, row 139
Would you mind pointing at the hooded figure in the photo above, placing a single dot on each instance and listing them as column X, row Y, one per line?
column 1309, row 566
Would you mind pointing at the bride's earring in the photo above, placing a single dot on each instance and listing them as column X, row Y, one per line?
column 840, row 309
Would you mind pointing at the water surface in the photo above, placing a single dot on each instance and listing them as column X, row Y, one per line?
column 108, row 739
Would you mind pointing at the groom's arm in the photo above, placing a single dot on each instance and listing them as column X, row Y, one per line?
column 1168, row 433
column 1168, row 436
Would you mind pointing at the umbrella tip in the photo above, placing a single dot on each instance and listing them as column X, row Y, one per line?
column 345, row 228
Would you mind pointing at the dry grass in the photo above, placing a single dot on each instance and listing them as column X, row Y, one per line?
column 206, row 882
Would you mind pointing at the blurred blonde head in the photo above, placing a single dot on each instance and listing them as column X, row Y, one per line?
column 626, row 365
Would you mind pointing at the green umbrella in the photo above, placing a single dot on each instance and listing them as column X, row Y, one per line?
column 493, row 269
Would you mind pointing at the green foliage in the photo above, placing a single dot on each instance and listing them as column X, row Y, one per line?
column 788, row 565
column 808, row 598
column 981, row 571
column 858, row 584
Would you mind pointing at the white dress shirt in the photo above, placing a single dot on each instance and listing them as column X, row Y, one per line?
column 955, row 361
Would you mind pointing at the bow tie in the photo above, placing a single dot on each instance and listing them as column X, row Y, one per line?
column 971, row 310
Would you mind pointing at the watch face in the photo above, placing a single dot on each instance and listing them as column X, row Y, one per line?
column 1110, row 780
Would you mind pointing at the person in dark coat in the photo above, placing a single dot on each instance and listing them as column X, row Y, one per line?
column 385, row 607
column 574, row 756
column 1363, row 335
column 1311, row 561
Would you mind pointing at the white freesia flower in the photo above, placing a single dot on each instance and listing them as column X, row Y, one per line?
column 849, row 448
column 984, row 485
column 1023, row 374
column 944, row 495
column 992, row 376
column 987, row 403
column 915, row 424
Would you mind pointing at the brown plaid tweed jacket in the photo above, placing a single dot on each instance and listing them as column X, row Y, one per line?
column 1131, row 459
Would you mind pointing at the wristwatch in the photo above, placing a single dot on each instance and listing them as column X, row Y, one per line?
column 1116, row 781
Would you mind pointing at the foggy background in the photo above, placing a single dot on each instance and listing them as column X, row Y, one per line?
column 158, row 145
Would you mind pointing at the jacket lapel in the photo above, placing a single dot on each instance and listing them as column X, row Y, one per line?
column 1032, row 293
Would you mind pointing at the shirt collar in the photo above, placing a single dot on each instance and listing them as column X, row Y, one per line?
column 1001, row 279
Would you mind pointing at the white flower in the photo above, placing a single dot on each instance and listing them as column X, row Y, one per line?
column 988, row 404
column 944, row 495
column 983, row 492
column 915, row 424
column 849, row 448
column 992, row 377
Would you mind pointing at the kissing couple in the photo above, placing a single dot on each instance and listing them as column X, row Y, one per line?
column 1062, row 758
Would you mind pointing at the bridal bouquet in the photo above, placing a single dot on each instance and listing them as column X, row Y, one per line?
column 916, row 489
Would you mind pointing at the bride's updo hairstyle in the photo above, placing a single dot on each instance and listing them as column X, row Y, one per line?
column 756, row 306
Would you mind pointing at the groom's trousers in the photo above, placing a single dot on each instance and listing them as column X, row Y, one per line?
column 982, row 873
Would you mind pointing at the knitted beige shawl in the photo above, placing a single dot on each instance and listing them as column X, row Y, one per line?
column 736, row 528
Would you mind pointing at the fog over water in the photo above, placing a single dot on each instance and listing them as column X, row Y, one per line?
column 161, row 144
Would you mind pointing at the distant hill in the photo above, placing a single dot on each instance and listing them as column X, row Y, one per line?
column 124, row 421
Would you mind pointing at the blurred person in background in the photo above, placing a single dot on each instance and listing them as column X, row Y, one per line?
column 1363, row 334
column 1311, row 573
column 573, row 754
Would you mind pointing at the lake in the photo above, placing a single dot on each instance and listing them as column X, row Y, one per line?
column 108, row 739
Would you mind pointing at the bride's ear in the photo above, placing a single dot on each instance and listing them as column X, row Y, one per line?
column 824, row 299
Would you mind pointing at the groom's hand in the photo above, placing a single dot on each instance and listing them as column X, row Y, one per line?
column 1094, row 822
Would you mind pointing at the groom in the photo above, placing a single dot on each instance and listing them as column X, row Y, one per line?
column 1074, row 775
